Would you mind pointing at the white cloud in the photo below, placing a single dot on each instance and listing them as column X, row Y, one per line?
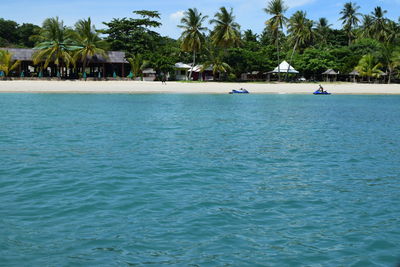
column 177, row 15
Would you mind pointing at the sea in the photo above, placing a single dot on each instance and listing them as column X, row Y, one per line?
column 199, row 180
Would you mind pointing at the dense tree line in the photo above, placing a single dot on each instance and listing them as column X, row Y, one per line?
column 366, row 43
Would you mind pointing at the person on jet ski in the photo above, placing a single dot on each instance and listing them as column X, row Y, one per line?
column 321, row 89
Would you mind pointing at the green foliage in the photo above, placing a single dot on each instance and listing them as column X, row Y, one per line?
column 134, row 35
column 89, row 42
column 226, row 32
column 314, row 61
column 7, row 64
column 368, row 66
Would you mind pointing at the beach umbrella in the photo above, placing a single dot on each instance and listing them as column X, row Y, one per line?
column 58, row 74
column 1, row 73
column 99, row 75
column 114, row 75
column 130, row 75
column 84, row 75
column 22, row 74
column 40, row 74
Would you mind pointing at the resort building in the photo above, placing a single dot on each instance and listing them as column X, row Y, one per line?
column 181, row 71
column 114, row 65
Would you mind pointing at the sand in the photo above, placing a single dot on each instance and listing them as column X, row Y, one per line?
column 136, row 87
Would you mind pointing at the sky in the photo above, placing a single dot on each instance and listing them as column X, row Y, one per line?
column 249, row 13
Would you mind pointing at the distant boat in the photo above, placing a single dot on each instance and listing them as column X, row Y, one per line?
column 240, row 91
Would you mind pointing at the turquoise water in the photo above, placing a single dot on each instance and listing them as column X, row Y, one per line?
column 199, row 180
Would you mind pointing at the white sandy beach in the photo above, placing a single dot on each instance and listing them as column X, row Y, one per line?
column 136, row 87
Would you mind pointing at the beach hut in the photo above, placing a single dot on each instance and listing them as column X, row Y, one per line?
column 354, row 74
column 330, row 75
column 181, row 71
column 149, row 74
column 283, row 68
column 114, row 62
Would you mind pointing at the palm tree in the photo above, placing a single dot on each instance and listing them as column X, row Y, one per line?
column 366, row 27
column 276, row 8
column 56, row 44
column 137, row 65
column 226, row 32
column 391, row 55
column 369, row 67
column 7, row 64
column 350, row 18
column 379, row 24
column 300, row 32
column 322, row 30
column 90, row 44
column 193, row 35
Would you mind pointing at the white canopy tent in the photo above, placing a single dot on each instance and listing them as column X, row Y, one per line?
column 284, row 67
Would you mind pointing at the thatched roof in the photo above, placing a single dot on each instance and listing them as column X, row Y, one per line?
column 330, row 72
column 354, row 73
column 25, row 54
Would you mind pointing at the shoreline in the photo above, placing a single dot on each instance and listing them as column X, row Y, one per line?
column 138, row 87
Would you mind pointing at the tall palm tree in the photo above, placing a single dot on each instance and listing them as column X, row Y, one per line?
column 379, row 24
column 226, row 32
column 138, row 64
column 7, row 64
column 322, row 30
column 300, row 32
column 391, row 55
column 193, row 36
column 276, row 8
column 56, row 44
column 89, row 42
column 369, row 67
column 366, row 27
column 350, row 18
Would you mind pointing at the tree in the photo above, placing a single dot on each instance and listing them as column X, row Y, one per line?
column 7, row 64
column 193, row 35
column 138, row 64
column 134, row 36
column 323, row 30
column 8, row 32
column 216, row 62
column 366, row 30
column 276, row 8
column 56, row 44
column 226, row 32
column 379, row 24
column 350, row 18
column 391, row 56
column 300, row 32
column 25, row 33
column 89, row 42
column 369, row 67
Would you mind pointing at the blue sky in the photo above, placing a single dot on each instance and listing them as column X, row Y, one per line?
column 249, row 13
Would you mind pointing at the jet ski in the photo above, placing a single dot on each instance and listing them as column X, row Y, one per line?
column 240, row 91
column 318, row 92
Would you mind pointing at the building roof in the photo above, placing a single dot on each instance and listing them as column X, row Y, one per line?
column 283, row 68
column 199, row 68
column 330, row 72
column 149, row 71
column 25, row 54
column 355, row 73
column 181, row 65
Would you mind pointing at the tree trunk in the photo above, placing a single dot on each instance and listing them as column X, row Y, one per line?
column 194, row 61
column 277, row 49
column 291, row 58
column 390, row 76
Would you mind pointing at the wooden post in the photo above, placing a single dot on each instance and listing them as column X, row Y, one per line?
column 104, row 70
column 123, row 70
